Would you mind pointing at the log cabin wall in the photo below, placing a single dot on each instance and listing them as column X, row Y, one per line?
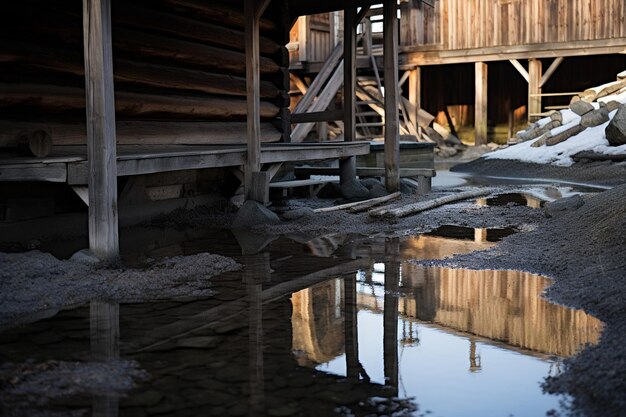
column 179, row 71
column 446, row 25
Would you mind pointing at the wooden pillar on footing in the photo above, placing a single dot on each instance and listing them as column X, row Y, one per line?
column 390, row 314
column 347, row 167
column 480, row 115
column 392, row 123
column 415, row 96
column 351, row 334
column 534, row 89
column 101, row 148
column 254, row 184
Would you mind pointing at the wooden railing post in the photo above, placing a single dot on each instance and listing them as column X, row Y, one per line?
column 101, row 146
column 392, row 122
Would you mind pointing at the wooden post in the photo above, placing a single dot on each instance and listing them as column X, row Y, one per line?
column 367, row 36
column 392, row 123
column 253, row 10
column 415, row 96
column 347, row 167
column 101, row 148
column 480, row 118
column 390, row 314
column 534, row 89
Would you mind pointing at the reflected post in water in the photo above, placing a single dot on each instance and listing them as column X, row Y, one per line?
column 104, row 329
column 390, row 313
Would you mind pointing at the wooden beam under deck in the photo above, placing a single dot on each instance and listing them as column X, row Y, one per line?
column 410, row 57
column 69, row 163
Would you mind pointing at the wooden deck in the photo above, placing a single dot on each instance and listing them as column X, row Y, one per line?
column 69, row 163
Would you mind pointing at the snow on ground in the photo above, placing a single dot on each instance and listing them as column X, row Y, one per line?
column 592, row 139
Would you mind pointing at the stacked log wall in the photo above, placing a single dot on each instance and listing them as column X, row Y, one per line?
column 179, row 65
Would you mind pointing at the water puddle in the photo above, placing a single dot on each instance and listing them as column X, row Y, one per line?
column 333, row 325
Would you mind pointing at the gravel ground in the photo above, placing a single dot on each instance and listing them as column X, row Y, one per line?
column 35, row 285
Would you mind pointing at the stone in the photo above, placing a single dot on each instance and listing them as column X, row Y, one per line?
column 253, row 213
column 595, row 117
column 330, row 190
column 445, row 151
column 580, row 107
column 616, row 130
column 613, row 105
column 85, row 257
column 369, row 183
column 378, row 190
column 563, row 205
column 408, row 186
column 354, row 190
column 295, row 214
column 556, row 116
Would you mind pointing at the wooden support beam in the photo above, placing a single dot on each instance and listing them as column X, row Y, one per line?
column 318, row 116
column 392, row 122
column 480, row 118
column 252, row 14
column 553, row 67
column 348, row 166
column 390, row 314
column 101, row 147
column 520, row 68
column 534, row 89
column 361, row 15
column 313, row 90
column 415, row 97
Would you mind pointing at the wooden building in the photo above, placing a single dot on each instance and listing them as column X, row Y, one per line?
column 509, row 60
column 98, row 90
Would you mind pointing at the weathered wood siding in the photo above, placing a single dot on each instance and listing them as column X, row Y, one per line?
column 466, row 24
column 311, row 39
column 179, row 66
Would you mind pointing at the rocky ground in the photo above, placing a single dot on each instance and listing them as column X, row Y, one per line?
column 580, row 243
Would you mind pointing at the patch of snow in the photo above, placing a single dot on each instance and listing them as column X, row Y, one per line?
column 569, row 116
column 592, row 139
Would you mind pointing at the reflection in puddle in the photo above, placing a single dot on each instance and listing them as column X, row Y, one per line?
column 478, row 235
column 313, row 327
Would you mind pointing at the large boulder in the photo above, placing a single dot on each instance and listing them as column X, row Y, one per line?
column 354, row 190
column 616, row 130
column 252, row 214
column 595, row 117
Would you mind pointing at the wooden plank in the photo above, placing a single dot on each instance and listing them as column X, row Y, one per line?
column 534, row 88
column 392, row 123
column 101, row 147
column 330, row 90
column 520, row 68
column 480, row 119
column 297, row 183
column 55, row 172
column 415, row 97
column 410, row 57
column 320, row 80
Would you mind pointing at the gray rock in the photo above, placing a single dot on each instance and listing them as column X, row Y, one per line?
column 85, row 257
column 595, row 117
column 616, row 130
column 330, row 190
column 369, row 183
column 581, row 107
column 253, row 213
column 408, row 186
column 445, row 151
column 564, row 205
column 354, row 190
column 613, row 105
column 298, row 213
column 378, row 190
